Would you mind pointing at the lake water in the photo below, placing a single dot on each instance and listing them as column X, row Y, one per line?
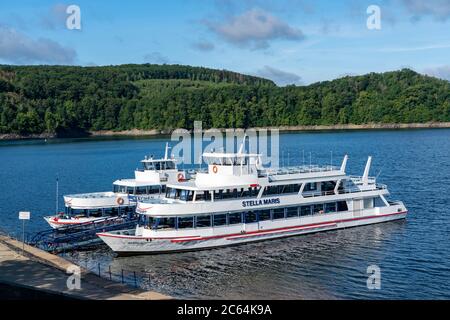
column 413, row 255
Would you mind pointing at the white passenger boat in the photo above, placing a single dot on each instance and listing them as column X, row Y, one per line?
column 149, row 182
column 237, row 201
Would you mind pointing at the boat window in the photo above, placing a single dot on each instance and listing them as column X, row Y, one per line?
column 378, row 202
column 305, row 210
column 288, row 188
column 153, row 189
column 244, row 193
column 271, row 190
column 151, row 222
column 312, row 186
column 218, row 194
column 130, row 190
column 205, row 195
column 330, row 207
column 203, row 221
column 142, row 220
column 141, row 190
column 264, row 215
column 220, row 220
column 184, row 195
column 166, row 223
column 120, row 189
column 368, row 203
column 185, row 222
column 98, row 213
column 170, row 165
column 278, row 213
column 292, row 212
column 227, row 194
column 250, row 217
column 234, row 218
column 328, row 186
column 342, row 206
column 318, row 208
column 173, row 193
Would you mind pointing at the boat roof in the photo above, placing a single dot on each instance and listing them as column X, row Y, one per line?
column 158, row 160
column 134, row 183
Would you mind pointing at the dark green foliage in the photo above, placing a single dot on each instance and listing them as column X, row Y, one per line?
column 54, row 99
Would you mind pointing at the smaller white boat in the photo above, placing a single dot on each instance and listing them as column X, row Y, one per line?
column 149, row 183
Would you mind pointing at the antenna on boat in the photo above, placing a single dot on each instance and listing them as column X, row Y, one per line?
column 365, row 178
column 310, row 161
column 241, row 148
column 166, row 154
column 57, row 194
column 331, row 160
column 344, row 163
column 379, row 172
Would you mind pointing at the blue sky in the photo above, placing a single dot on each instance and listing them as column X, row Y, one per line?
column 288, row 41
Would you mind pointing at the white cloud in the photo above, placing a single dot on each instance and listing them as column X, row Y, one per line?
column 255, row 28
column 56, row 17
column 17, row 47
column 442, row 72
column 280, row 77
column 203, row 45
column 156, row 57
column 439, row 9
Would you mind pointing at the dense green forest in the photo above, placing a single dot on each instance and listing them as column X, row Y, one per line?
column 63, row 99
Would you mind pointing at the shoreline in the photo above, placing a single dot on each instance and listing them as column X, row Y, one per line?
column 317, row 128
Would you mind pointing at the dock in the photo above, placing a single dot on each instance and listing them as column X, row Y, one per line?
column 28, row 272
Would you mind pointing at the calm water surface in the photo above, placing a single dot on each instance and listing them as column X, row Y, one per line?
column 414, row 255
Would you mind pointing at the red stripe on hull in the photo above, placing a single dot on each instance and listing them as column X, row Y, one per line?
column 198, row 238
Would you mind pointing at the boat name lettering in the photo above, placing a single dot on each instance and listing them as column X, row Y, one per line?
column 252, row 203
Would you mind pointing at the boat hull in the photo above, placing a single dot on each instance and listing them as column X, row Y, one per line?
column 125, row 243
column 56, row 223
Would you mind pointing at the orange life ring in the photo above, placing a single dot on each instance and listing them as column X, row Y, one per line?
column 120, row 201
column 215, row 169
column 180, row 177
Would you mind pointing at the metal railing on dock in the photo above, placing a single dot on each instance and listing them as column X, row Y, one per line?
column 81, row 235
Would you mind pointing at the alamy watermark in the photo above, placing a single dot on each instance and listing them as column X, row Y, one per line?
column 374, row 278
column 374, row 19
column 73, row 21
column 74, row 280
column 190, row 146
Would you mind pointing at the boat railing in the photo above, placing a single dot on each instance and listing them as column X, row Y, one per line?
column 298, row 169
column 93, row 195
column 344, row 191
column 359, row 179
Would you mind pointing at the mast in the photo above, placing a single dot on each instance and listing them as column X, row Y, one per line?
column 57, row 194
column 344, row 163
column 365, row 178
column 166, row 154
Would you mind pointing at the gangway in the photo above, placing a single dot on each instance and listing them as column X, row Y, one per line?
column 80, row 236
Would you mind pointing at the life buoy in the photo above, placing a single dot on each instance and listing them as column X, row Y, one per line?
column 215, row 169
column 180, row 177
column 120, row 201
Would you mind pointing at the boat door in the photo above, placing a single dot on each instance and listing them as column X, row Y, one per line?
column 357, row 207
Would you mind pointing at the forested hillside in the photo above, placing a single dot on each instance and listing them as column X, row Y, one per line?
column 59, row 99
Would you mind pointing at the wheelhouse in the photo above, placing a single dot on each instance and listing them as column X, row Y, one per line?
column 159, row 165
